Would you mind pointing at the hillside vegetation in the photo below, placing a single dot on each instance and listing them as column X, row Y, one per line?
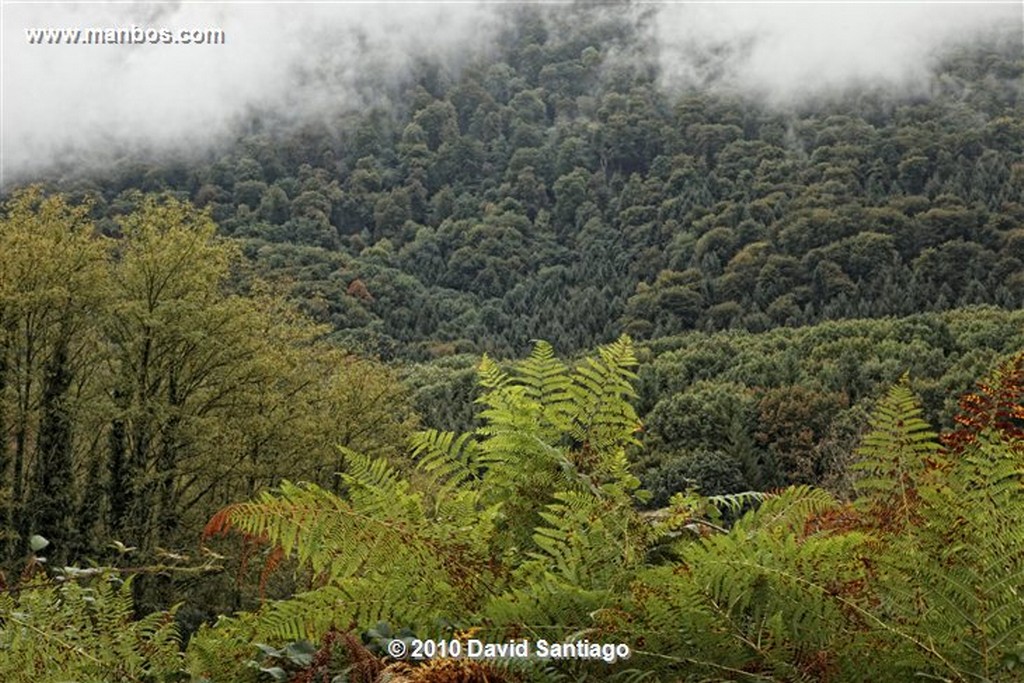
column 527, row 529
column 537, row 349
column 554, row 190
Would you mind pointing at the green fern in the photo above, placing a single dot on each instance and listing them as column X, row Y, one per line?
column 527, row 528
column 84, row 631
column 574, row 425
column 527, row 520
column 894, row 457
column 491, row 375
column 329, row 535
column 603, row 418
column 958, row 580
column 588, row 540
column 950, row 567
column 451, row 460
column 376, row 489
column 547, row 383
column 764, row 596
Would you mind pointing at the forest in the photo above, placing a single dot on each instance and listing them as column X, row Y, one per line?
column 538, row 350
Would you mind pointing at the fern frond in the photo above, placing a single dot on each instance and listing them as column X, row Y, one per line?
column 789, row 509
column 376, row 488
column 84, row 632
column 996, row 407
column 543, row 375
column 602, row 420
column 322, row 531
column 527, row 523
column 308, row 615
column 450, row 458
column 546, row 382
column 588, row 540
column 490, row 374
column 779, row 591
column 546, row 607
column 894, row 456
column 957, row 581
column 737, row 503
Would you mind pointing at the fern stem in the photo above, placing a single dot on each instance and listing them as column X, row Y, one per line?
column 57, row 639
column 928, row 649
column 697, row 662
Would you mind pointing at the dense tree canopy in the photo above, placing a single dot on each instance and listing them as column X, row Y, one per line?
column 555, row 190
column 137, row 393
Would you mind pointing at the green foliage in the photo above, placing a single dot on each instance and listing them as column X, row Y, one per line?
column 761, row 598
column 710, row 472
column 895, row 455
column 451, row 461
column 549, row 189
column 54, row 285
column 85, row 630
column 954, row 580
column 790, row 405
column 137, row 395
column 536, row 503
column 920, row 576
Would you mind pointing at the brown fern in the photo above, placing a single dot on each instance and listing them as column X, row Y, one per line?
column 444, row 671
column 997, row 406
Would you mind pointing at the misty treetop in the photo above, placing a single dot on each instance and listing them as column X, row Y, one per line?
column 556, row 190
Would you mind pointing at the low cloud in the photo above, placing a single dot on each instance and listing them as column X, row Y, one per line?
column 82, row 106
column 88, row 103
column 785, row 52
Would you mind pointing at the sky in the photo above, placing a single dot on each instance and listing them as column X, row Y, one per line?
column 79, row 103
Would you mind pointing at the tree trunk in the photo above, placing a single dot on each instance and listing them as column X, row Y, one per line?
column 119, row 486
column 5, row 458
column 19, row 521
column 52, row 500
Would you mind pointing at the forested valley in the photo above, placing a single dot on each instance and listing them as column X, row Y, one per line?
column 533, row 349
